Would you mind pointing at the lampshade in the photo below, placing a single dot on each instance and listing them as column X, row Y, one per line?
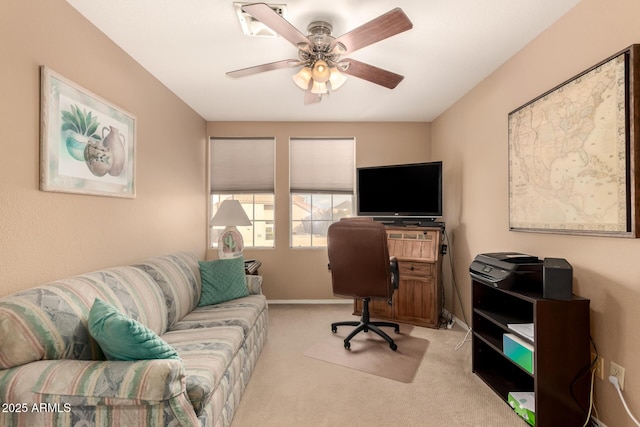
column 320, row 72
column 319, row 88
column 302, row 78
column 318, row 76
column 337, row 79
column 230, row 212
column 230, row 241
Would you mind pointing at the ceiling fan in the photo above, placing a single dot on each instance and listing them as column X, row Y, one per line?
column 321, row 55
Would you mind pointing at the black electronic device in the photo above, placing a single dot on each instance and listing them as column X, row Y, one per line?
column 557, row 279
column 507, row 270
column 409, row 190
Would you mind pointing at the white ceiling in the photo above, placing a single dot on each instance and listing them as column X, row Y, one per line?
column 189, row 45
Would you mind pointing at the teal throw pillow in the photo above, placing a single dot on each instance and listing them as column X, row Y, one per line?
column 123, row 338
column 222, row 280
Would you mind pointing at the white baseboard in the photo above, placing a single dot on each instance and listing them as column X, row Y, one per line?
column 310, row 301
column 342, row 301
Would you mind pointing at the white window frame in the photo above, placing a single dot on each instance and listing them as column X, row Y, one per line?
column 252, row 233
column 319, row 168
column 242, row 168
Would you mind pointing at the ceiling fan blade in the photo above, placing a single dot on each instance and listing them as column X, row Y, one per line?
column 311, row 98
column 287, row 63
column 263, row 13
column 370, row 73
column 384, row 26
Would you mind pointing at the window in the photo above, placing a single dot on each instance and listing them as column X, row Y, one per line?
column 260, row 210
column 321, row 185
column 243, row 169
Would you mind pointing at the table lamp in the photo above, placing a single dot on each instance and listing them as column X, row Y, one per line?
column 230, row 214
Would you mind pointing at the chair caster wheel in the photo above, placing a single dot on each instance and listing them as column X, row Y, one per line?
column 347, row 345
column 334, row 329
column 393, row 347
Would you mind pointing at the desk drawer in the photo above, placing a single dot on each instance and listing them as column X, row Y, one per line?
column 415, row 268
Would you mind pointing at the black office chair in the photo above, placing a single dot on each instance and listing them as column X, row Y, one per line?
column 361, row 268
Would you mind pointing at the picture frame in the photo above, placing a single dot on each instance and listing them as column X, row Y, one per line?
column 87, row 144
column 573, row 153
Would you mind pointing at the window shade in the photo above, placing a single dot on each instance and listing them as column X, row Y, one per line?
column 242, row 165
column 322, row 165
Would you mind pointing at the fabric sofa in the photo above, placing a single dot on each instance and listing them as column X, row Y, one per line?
column 53, row 372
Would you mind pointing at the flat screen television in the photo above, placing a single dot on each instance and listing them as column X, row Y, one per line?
column 410, row 190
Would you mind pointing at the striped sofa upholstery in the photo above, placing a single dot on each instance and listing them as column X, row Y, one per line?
column 53, row 373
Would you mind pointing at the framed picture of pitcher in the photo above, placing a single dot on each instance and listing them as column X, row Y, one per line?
column 87, row 144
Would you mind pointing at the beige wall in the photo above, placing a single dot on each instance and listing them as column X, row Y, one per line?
column 44, row 235
column 302, row 273
column 471, row 139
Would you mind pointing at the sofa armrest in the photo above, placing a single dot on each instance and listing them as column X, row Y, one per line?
column 254, row 284
column 97, row 390
column 95, row 381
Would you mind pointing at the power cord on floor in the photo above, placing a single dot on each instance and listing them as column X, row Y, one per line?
column 464, row 340
column 614, row 380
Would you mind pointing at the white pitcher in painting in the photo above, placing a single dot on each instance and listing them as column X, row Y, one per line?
column 114, row 143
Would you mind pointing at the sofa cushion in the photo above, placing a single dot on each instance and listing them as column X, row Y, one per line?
column 50, row 321
column 122, row 338
column 241, row 312
column 206, row 354
column 222, row 280
column 178, row 276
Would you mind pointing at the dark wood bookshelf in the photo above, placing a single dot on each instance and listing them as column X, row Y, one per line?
column 561, row 351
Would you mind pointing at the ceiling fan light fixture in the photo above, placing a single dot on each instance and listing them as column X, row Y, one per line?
column 319, row 88
column 304, row 47
column 302, row 78
column 319, row 32
column 321, row 72
column 339, row 49
column 337, row 79
column 319, row 52
column 343, row 66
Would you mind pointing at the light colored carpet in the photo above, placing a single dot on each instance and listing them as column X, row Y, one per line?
column 371, row 354
column 289, row 389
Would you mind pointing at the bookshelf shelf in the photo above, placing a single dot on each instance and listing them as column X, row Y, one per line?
column 560, row 379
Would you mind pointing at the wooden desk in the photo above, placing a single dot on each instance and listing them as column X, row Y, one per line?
column 418, row 299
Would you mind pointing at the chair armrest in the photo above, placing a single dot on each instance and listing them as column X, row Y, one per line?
column 254, row 284
column 395, row 271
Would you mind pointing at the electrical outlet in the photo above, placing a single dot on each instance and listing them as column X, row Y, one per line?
column 617, row 371
column 599, row 365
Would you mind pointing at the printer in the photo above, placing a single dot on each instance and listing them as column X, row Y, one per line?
column 507, row 270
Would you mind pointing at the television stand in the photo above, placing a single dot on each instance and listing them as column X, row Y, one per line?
column 409, row 222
